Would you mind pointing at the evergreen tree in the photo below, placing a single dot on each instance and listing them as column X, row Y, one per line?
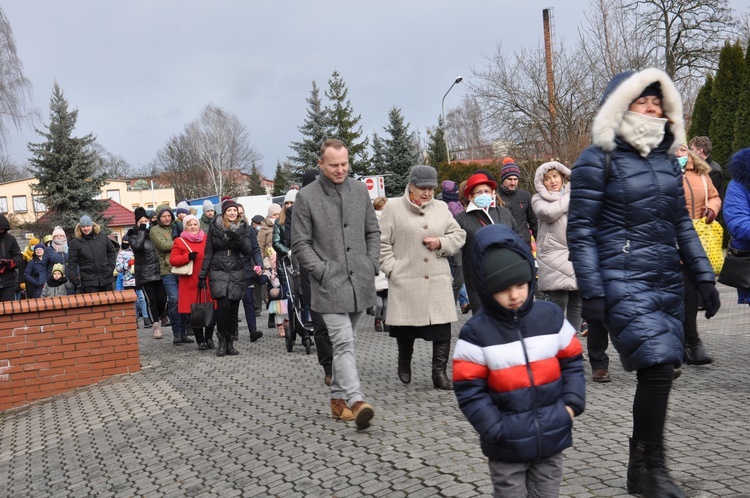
column 437, row 153
column 400, row 153
column 281, row 179
column 726, row 92
column 701, row 120
column 343, row 124
column 379, row 163
column 742, row 119
column 255, row 182
column 314, row 131
column 66, row 168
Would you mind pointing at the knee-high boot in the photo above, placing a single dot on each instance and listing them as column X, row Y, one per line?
column 647, row 472
column 405, row 351
column 440, row 352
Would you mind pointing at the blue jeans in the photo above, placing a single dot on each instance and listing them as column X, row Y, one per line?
column 463, row 297
column 141, row 307
column 171, row 284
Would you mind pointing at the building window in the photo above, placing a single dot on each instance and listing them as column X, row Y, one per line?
column 4, row 205
column 39, row 206
column 19, row 204
column 114, row 195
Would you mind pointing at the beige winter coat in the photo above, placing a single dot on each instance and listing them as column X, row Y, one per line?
column 420, row 286
column 551, row 209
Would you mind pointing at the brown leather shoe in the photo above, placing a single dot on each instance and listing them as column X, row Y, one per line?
column 465, row 308
column 601, row 375
column 363, row 413
column 340, row 411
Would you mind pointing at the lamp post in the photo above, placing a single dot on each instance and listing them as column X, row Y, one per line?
column 442, row 107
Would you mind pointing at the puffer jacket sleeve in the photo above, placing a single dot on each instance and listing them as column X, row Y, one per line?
column 570, row 357
column 209, row 255
column 550, row 211
column 586, row 203
column 737, row 214
column 470, row 384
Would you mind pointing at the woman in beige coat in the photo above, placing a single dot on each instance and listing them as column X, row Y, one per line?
column 556, row 275
column 418, row 234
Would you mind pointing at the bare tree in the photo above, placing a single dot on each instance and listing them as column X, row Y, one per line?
column 113, row 165
column 220, row 142
column 686, row 35
column 15, row 89
column 465, row 133
column 178, row 167
column 512, row 93
column 10, row 171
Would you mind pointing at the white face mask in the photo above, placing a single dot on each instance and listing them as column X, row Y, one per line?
column 642, row 132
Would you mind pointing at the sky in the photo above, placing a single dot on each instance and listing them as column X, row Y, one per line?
column 139, row 71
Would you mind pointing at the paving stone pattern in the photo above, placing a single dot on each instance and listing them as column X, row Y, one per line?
column 259, row 424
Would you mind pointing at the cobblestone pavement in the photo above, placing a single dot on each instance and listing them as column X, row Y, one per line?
column 259, row 424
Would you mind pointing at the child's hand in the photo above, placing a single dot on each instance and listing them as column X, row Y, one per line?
column 570, row 412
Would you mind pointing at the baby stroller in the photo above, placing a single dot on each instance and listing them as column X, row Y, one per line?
column 297, row 325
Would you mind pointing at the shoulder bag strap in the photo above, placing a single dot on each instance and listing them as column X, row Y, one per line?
column 186, row 244
column 705, row 188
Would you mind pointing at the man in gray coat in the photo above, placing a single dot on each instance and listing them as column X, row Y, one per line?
column 337, row 240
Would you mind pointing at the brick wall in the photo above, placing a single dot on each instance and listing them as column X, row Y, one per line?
column 53, row 345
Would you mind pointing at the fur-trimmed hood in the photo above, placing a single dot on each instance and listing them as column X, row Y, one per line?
column 539, row 179
column 621, row 92
column 739, row 167
column 79, row 234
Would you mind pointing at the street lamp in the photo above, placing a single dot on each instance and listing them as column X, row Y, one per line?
column 442, row 106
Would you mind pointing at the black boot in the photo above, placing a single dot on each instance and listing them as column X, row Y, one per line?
column 147, row 322
column 271, row 321
column 210, row 338
column 647, row 472
column 221, row 350
column 697, row 354
column 405, row 351
column 230, row 348
column 440, row 352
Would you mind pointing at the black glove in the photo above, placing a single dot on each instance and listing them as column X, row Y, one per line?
column 710, row 297
column 232, row 235
column 192, row 256
column 201, row 283
column 143, row 227
column 593, row 310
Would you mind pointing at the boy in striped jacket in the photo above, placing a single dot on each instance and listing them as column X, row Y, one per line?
column 517, row 370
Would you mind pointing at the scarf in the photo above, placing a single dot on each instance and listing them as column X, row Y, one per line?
column 56, row 283
column 643, row 132
column 60, row 245
column 193, row 237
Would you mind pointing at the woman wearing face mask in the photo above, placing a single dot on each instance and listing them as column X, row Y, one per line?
column 148, row 269
column 629, row 234
column 417, row 235
column 550, row 204
column 480, row 190
column 702, row 201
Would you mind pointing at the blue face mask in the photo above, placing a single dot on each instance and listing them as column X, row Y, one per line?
column 682, row 161
column 483, row 201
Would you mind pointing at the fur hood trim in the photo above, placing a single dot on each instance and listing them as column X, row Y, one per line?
column 79, row 233
column 739, row 167
column 543, row 169
column 622, row 91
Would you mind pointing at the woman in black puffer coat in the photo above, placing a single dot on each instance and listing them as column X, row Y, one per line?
column 225, row 244
column 147, row 269
column 628, row 230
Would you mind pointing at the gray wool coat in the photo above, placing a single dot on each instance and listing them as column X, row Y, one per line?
column 336, row 238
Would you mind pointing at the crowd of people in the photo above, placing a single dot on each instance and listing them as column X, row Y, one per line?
column 609, row 245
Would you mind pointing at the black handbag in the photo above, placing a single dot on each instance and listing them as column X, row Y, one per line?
column 736, row 270
column 202, row 313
